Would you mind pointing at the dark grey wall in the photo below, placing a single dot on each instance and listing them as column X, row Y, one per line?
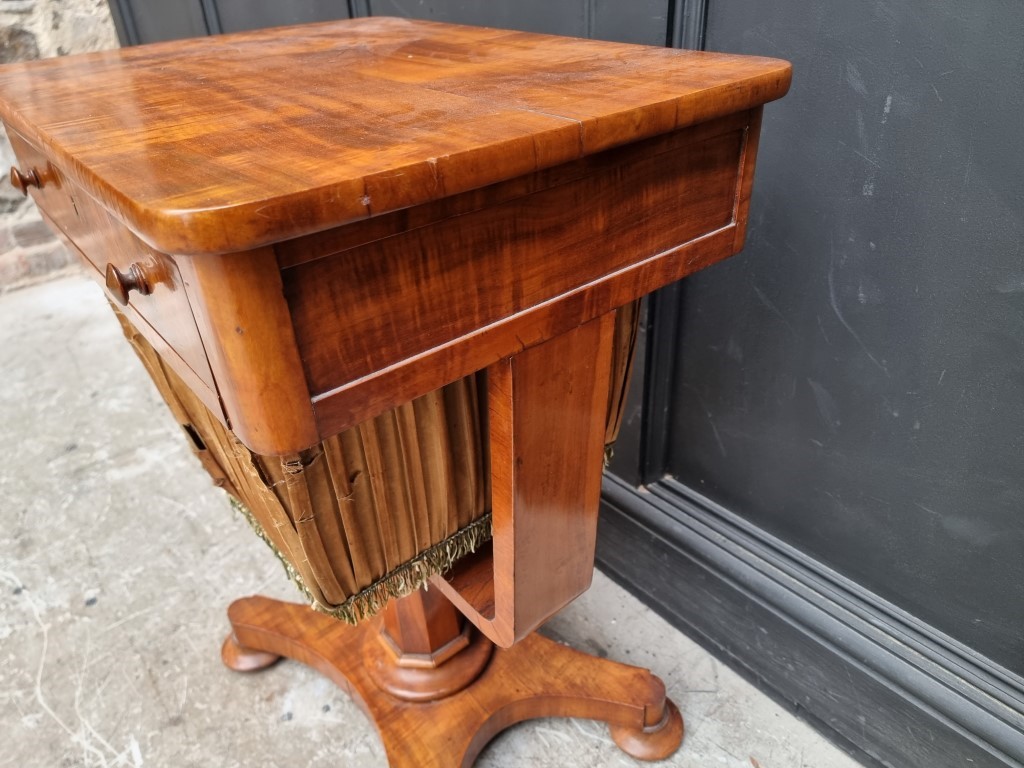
column 149, row 21
column 636, row 21
column 236, row 15
column 631, row 21
column 853, row 383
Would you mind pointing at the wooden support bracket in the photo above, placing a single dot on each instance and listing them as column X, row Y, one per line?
column 546, row 407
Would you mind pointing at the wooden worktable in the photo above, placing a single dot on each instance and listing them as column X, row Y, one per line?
column 314, row 224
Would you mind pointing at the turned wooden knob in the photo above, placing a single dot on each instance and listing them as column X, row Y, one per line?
column 120, row 284
column 22, row 181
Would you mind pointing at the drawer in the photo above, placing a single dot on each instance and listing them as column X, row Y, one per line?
column 580, row 225
column 484, row 275
column 163, row 314
column 54, row 194
column 166, row 308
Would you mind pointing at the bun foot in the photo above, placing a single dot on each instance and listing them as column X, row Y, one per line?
column 242, row 659
column 656, row 742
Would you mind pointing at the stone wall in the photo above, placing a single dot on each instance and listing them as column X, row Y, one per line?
column 35, row 29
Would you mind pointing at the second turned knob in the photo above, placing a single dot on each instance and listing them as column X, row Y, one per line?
column 121, row 284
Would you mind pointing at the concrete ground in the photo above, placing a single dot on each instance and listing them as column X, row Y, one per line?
column 118, row 558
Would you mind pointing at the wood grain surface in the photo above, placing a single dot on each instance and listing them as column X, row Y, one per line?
column 480, row 276
column 472, row 270
column 545, row 411
column 231, row 142
column 536, row 678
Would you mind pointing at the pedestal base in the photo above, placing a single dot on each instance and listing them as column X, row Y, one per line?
column 535, row 678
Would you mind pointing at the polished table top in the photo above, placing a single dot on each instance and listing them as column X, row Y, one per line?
column 230, row 142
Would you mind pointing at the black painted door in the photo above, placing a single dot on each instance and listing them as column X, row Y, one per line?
column 853, row 383
column 832, row 423
column 633, row 21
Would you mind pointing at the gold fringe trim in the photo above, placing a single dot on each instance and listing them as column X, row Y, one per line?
column 402, row 581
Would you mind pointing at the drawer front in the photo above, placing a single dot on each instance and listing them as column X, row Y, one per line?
column 166, row 308
column 101, row 240
column 447, row 280
column 54, row 195
column 382, row 316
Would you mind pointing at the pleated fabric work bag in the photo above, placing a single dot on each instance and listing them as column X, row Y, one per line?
column 373, row 512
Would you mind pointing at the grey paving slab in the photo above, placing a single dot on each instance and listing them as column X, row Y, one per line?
column 117, row 559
